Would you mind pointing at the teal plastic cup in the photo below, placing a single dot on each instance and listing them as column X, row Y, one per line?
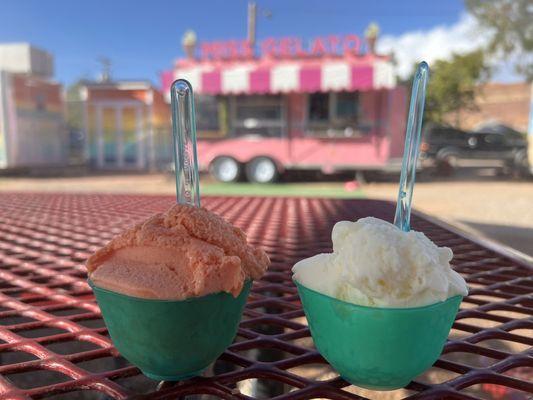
column 171, row 340
column 377, row 348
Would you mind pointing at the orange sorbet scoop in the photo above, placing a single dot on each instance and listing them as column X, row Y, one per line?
column 184, row 252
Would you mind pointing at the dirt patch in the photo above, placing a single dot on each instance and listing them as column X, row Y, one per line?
column 500, row 210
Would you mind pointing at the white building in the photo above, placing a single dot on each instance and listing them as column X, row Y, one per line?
column 32, row 127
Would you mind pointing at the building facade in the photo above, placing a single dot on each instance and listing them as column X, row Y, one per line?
column 126, row 125
column 505, row 103
column 32, row 128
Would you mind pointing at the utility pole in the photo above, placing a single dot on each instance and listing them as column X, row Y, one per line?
column 530, row 132
column 252, row 20
column 106, row 69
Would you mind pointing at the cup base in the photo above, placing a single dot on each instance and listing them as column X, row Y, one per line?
column 173, row 378
column 376, row 387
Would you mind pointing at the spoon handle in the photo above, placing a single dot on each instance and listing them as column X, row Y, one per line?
column 184, row 134
column 412, row 146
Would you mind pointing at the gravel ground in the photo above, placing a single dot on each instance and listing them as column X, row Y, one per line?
column 500, row 210
column 484, row 205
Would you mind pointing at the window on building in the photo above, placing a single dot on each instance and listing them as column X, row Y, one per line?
column 40, row 102
column 257, row 115
column 334, row 114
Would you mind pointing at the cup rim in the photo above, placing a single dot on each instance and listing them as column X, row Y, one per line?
column 393, row 309
column 165, row 301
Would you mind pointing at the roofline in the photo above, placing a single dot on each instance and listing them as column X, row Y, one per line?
column 28, row 44
column 121, row 85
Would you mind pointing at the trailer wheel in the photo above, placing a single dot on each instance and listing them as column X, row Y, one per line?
column 447, row 165
column 225, row 169
column 262, row 170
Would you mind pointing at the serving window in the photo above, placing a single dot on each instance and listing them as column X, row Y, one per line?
column 334, row 115
column 211, row 116
column 257, row 115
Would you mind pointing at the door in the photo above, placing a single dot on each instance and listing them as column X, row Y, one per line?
column 110, row 137
column 133, row 141
column 119, row 136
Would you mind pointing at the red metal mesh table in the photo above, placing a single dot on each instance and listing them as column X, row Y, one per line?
column 53, row 343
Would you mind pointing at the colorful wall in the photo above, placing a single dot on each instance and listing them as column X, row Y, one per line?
column 32, row 128
column 127, row 126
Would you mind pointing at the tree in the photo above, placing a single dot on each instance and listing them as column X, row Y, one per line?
column 74, row 107
column 511, row 22
column 452, row 84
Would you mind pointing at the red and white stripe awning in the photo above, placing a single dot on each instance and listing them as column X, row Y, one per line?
column 298, row 76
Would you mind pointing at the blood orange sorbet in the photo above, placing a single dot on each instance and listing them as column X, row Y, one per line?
column 181, row 253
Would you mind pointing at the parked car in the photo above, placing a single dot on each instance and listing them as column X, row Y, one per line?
column 494, row 145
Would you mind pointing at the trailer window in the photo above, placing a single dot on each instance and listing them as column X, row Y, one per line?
column 257, row 115
column 333, row 114
column 210, row 115
column 346, row 106
column 319, row 107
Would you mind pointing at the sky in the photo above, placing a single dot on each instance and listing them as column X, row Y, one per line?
column 142, row 38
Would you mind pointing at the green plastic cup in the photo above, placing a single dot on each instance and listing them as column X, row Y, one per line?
column 377, row 348
column 171, row 340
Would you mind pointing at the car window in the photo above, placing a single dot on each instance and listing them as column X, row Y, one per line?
column 447, row 135
column 495, row 139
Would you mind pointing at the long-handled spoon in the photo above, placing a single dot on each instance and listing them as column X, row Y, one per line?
column 412, row 145
column 184, row 133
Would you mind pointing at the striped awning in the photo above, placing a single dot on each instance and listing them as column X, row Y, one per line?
column 283, row 77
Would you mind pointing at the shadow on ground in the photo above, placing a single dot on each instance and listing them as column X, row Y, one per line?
column 464, row 174
column 519, row 238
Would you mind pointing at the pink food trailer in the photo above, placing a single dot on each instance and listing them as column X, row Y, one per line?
column 325, row 106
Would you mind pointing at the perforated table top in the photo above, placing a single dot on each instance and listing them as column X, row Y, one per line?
column 53, row 343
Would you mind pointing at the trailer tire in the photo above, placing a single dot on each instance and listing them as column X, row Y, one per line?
column 447, row 161
column 520, row 166
column 225, row 169
column 262, row 170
